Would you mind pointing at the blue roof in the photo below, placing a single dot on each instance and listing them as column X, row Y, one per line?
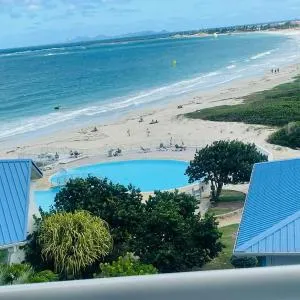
column 270, row 222
column 15, row 176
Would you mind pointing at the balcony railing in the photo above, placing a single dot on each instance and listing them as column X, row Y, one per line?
column 277, row 283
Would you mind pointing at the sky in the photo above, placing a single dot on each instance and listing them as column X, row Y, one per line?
column 36, row 22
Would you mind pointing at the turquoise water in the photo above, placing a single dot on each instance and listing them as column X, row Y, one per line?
column 147, row 175
column 94, row 81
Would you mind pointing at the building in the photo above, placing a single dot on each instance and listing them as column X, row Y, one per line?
column 16, row 204
column 270, row 225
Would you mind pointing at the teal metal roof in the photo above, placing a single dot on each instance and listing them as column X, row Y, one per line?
column 15, row 177
column 270, row 222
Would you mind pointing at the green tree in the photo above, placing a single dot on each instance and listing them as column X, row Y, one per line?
column 73, row 241
column 127, row 265
column 119, row 206
column 224, row 162
column 173, row 237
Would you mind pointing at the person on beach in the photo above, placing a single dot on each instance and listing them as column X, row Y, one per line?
column 128, row 132
column 148, row 132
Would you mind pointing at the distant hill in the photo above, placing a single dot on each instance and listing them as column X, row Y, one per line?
column 105, row 37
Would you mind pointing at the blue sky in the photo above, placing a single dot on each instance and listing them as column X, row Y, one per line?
column 33, row 22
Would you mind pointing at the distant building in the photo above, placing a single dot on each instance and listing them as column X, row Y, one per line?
column 270, row 226
column 16, row 204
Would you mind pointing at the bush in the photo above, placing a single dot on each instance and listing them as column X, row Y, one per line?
column 43, row 276
column 74, row 241
column 127, row 265
column 23, row 273
column 243, row 262
column 288, row 136
column 15, row 273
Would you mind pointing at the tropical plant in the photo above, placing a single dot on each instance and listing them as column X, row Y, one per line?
column 33, row 250
column 73, row 241
column 224, row 162
column 243, row 262
column 173, row 237
column 23, row 273
column 119, row 206
column 128, row 265
column 14, row 274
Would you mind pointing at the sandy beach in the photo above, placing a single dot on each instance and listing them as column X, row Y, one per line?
column 130, row 135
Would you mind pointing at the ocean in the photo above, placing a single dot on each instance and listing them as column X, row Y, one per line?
column 101, row 80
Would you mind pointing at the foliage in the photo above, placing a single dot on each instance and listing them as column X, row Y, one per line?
column 243, row 262
column 173, row 238
column 73, row 241
column 277, row 106
column 15, row 273
column 224, row 162
column 232, row 196
column 3, row 256
column 23, row 273
column 33, row 249
column 43, row 276
column 120, row 207
column 288, row 136
column 222, row 261
column 127, row 265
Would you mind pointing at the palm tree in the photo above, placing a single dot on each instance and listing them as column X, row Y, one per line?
column 74, row 241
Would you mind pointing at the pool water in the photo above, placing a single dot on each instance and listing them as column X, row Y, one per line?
column 147, row 175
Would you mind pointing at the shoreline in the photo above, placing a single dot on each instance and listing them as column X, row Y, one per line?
column 114, row 134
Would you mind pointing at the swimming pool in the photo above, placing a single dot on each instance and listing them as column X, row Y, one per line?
column 147, row 175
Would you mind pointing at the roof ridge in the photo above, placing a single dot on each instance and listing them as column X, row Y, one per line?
column 267, row 232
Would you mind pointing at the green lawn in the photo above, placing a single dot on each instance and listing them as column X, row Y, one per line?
column 223, row 260
column 219, row 210
column 232, row 196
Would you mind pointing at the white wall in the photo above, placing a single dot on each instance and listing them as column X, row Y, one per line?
column 15, row 255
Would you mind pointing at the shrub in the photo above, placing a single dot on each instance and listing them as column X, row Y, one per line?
column 288, row 136
column 73, row 241
column 243, row 262
column 43, row 276
column 127, row 265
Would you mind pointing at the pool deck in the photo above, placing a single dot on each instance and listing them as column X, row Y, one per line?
column 44, row 183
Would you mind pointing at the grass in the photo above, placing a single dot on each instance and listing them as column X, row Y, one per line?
column 219, row 210
column 231, row 196
column 275, row 107
column 223, row 260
